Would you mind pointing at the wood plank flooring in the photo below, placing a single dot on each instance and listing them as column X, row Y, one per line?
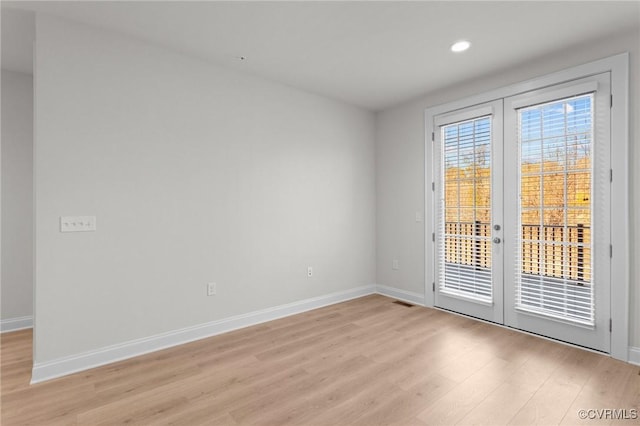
column 364, row 362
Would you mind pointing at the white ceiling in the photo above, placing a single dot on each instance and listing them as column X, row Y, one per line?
column 372, row 54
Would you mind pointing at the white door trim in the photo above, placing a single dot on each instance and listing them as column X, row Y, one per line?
column 618, row 66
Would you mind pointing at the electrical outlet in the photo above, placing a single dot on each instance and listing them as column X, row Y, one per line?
column 211, row 289
column 395, row 265
column 309, row 271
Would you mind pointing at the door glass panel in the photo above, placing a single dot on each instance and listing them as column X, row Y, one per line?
column 554, row 270
column 465, row 218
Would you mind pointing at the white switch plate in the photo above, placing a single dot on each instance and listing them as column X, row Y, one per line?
column 309, row 272
column 418, row 216
column 211, row 289
column 394, row 264
column 77, row 223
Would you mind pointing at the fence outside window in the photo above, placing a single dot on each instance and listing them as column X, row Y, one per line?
column 551, row 250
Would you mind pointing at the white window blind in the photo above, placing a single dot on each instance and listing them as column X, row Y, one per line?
column 554, row 263
column 465, row 209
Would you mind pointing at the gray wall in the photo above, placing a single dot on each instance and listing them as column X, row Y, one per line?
column 17, row 195
column 400, row 165
column 195, row 174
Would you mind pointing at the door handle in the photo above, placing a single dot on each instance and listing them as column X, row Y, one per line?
column 497, row 240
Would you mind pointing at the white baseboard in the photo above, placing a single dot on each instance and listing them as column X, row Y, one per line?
column 15, row 324
column 84, row 361
column 404, row 295
column 634, row 355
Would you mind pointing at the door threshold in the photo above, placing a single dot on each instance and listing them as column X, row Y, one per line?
column 573, row 345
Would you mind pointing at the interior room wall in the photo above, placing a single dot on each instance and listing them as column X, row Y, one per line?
column 400, row 165
column 195, row 174
column 17, row 199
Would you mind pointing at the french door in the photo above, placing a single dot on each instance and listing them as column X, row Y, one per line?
column 523, row 210
column 469, row 255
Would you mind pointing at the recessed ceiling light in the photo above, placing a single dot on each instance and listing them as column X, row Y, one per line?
column 460, row 46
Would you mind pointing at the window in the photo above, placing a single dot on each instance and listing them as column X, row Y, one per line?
column 555, row 164
column 466, row 210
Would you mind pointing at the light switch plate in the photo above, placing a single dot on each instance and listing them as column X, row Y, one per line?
column 77, row 223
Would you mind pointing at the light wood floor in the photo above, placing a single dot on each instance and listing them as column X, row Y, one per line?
column 364, row 362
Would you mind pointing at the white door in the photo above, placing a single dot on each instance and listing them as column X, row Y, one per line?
column 468, row 165
column 522, row 211
column 557, row 211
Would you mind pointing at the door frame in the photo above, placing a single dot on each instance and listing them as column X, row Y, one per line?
column 618, row 66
